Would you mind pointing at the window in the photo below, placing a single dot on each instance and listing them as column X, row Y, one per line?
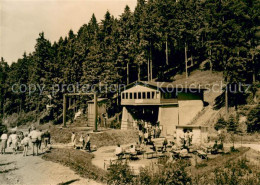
column 153, row 95
column 123, row 95
column 126, row 95
column 148, row 95
column 131, row 95
column 139, row 95
column 144, row 95
column 135, row 95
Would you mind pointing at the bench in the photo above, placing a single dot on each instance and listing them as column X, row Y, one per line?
column 151, row 154
column 202, row 154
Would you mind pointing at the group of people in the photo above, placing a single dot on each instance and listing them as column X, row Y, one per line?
column 147, row 132
column 16, row 140
column 84, row 141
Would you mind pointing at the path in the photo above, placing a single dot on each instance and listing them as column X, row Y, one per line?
column 30, row 170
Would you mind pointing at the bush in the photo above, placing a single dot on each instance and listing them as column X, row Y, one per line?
column 120, row 173
column 221, row 124
column 3, row 129
column 253, row 120
column 165, row 173
column 239, row 172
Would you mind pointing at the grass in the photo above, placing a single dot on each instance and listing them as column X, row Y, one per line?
column 78, row 161
column 208, row 166
column 106, row 138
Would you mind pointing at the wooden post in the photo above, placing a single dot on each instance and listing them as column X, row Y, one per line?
column 95, row 111
column 64, row 110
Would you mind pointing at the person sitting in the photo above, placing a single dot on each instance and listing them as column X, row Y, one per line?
column 119, row 151
column 132, row 149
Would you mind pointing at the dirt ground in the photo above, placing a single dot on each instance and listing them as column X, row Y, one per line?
column 31, row 170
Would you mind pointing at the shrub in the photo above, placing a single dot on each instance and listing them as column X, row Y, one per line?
column 253, row 120
column 165, row 173
column 120, row 173
column 221, row 124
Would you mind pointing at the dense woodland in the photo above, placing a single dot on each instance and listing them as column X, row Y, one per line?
column 151, row 42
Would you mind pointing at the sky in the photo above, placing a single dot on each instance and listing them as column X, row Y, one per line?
column 21, row 21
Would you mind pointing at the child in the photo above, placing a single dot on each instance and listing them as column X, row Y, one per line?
column 25, row 143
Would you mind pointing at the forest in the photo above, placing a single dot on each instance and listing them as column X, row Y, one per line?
column 155, row 41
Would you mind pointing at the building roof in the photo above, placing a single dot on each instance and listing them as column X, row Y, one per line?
column 165, row 85
column 191, row 126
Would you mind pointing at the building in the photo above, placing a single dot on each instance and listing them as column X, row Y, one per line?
column 102, row 110
column 160, row 102
column 199, row 133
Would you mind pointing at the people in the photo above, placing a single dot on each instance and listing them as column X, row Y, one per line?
column 88, row 143
column 82, row 141
column 119, row 151
column 13, row 141
column 40, row 139
column 46, row 138
column 25, row 143
column 165, row 143
column 146, row 137
column 73, row 139
column 140, row 134
column 33, row 135
column 4, row 138
column 132, row 149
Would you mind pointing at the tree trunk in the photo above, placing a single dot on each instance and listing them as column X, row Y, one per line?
column 186, row 60
column 139, row 72
column 210, row 61
column 226, row 100
column 148, row 70
column 127, row 73
column 166, row 51
column 151, row 69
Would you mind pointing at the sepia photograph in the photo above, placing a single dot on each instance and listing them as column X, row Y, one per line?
column 129, row 92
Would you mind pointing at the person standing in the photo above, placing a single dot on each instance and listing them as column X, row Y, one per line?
column 14, row 141
column 140, row 136
column 4, row 138
column 34, row 138
column 82, row 141
column 146, row 137
column 40, row 137
column 73, row 139
column 25, row 143
column 46, row 139
column 88, row 143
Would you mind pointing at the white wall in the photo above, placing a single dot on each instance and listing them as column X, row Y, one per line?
column 168, row 118
column 188, row 109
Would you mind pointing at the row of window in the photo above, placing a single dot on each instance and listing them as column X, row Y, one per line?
column 139, row 95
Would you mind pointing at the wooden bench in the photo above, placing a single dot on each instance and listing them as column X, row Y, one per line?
column 202, row 154
column 150, row 153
